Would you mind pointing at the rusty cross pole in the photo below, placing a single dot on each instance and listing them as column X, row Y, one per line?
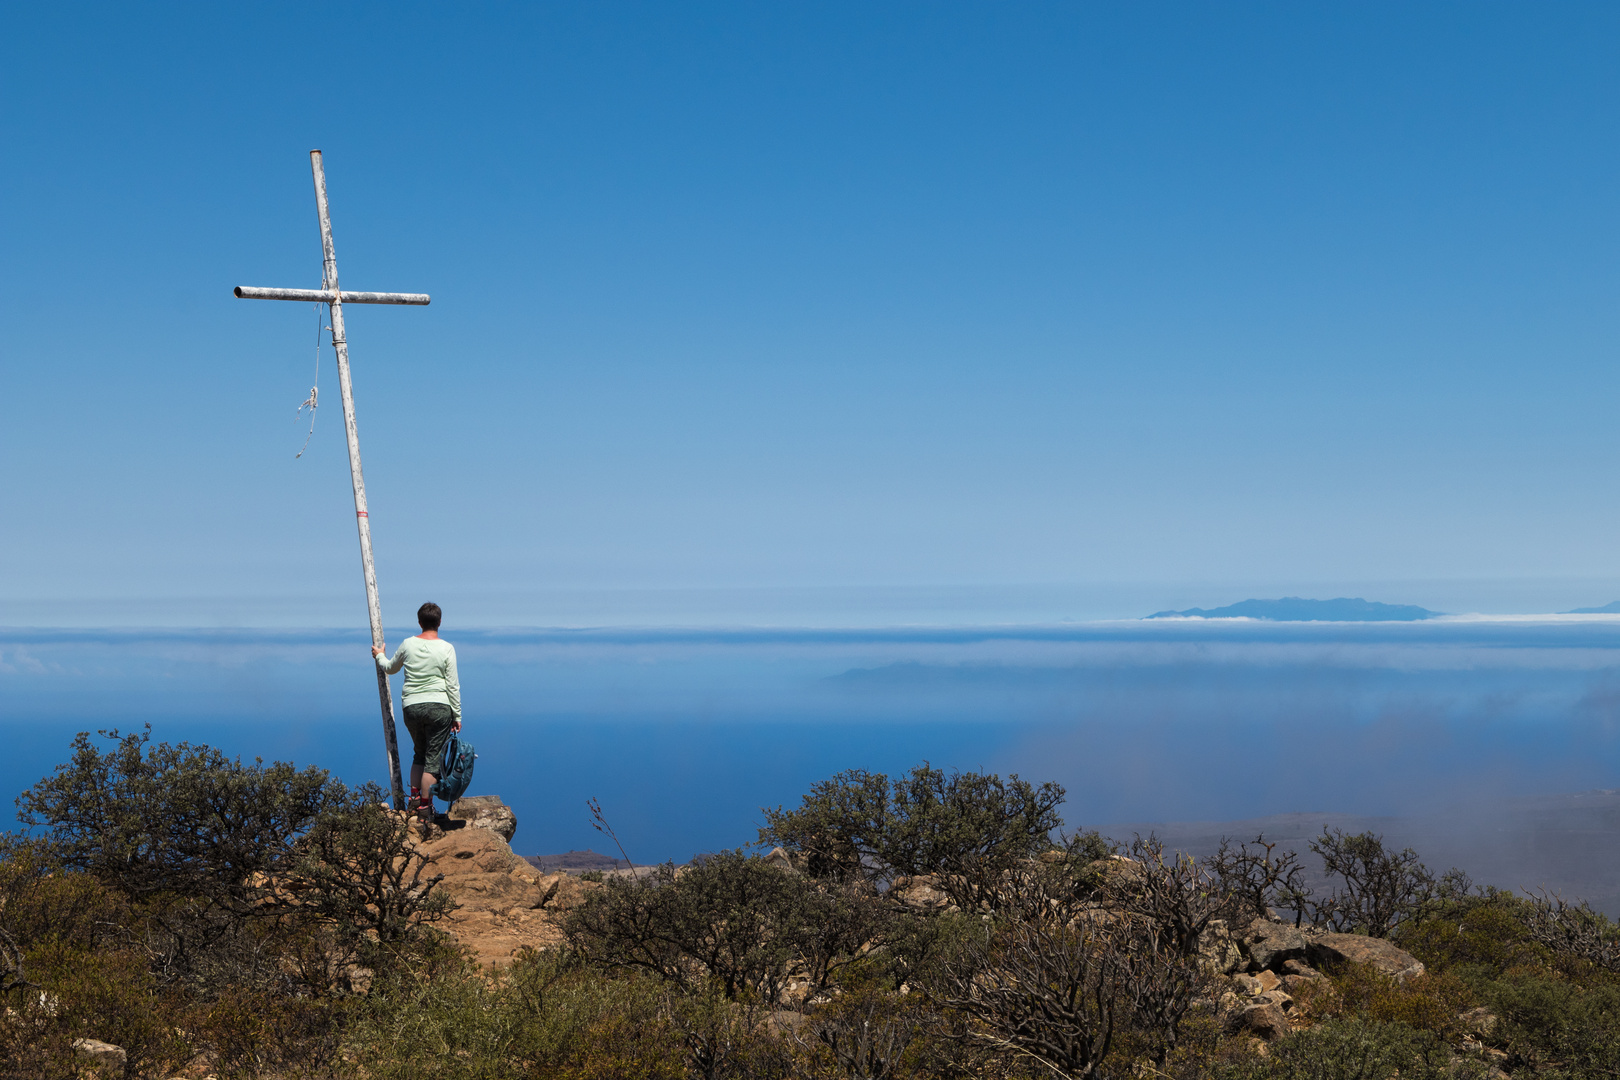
column 330, row 295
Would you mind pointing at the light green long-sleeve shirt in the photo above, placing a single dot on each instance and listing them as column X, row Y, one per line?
column 430, row 672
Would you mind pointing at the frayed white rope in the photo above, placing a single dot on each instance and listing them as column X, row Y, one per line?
column 313, row 401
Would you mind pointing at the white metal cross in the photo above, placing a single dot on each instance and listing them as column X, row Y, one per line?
column 333, row 297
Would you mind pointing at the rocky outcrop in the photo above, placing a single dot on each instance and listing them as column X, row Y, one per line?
column 1360, row 949
column 785, row 860
column 503, row 905
column 485, row 812
column 1218, row 952
column 1269, row 944
column 921, row 893
column 1264, row 1019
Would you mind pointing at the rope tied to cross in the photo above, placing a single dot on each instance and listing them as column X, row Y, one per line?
column 313, row 401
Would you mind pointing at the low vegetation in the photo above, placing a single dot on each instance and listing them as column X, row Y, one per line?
column 214, row 917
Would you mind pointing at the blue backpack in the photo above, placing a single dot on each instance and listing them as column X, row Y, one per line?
column 457, row 770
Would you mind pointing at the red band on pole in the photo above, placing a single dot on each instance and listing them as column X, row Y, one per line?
column 361, row 513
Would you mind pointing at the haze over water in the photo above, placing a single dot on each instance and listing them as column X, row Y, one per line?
column 684, row 733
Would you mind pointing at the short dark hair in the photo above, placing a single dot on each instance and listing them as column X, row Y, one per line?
column 428, row 616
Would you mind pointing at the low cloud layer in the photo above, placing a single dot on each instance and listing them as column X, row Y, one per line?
column 689, row 732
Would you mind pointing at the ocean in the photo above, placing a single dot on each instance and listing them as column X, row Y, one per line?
column 683, row 735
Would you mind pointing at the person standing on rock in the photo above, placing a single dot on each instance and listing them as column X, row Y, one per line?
column 432, row 698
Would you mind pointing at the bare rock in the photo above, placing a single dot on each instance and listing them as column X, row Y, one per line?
column 1270, row 944
column 1301, row 969
column 1265, row 1020
column 1358, row 948
column 566, row 891
column 1298, row 984
column 104, row 1057
column 1218, row 953
column 1268, row 980
column 1479, row 1021
column 485, row 812
column 920, row 893
column 782, row 860
column 457, row 852
column 1248, row 984
column 1118, row 872
column 1275, row 997
column 503, row 905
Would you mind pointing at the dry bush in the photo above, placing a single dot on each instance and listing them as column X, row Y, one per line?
column 729, row 1040
column 1354, row 1050
column 1057, row 982
column 1259, row 877
column 1573, row 931
column 1043, row 990
column 1175, row 894
column 1380, row 888
column 866, row 1033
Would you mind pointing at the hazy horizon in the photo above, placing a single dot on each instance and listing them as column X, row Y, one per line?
column 684, row 733
column 788, row 606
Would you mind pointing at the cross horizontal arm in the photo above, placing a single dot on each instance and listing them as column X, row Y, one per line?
column 326, row 296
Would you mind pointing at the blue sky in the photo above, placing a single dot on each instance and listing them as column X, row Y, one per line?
column 1140, row 305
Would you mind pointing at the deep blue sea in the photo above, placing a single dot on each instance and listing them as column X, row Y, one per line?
column 684, row 734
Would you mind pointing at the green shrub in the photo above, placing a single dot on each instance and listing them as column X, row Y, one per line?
column 547, row 1016
column 969, row 829
column 221, row 858
column 1482, row 937
column 1558, row 1028
column 731, row 918
column 162, row 820
column 1351, row 1050
column 1430, row 1002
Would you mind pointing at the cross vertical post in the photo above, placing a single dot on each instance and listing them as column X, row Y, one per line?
column 330, row 294
column 340, row 345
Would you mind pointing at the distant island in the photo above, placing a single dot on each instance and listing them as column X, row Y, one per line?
column 1296, row 609
column 1606, row 609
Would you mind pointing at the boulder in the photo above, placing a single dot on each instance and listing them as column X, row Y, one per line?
column 1275, row 997
column 1218, row 954
column 502, row 904
column 1248, row 984
column 485, row 812
column 1265, row 1020
column 920, row 893
column 1299, row 984
column 1395, row 962
column 1268, row 980
column 104, row 1057
column 1301, row 969
column 456, row 852
column 1270, row 944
